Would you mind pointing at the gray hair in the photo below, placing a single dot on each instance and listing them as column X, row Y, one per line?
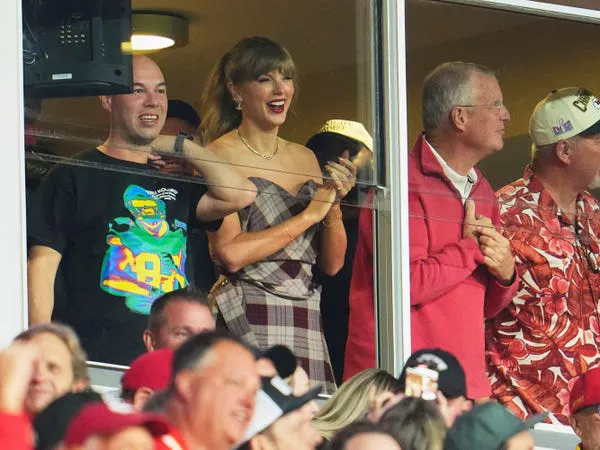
column 541, row 152
column 446, row 87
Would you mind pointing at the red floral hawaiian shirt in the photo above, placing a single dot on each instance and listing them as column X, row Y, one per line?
column 549, row 334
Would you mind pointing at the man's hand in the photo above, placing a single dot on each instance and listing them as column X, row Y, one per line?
column 17, row 366
column 474, row 221
column 498, row 254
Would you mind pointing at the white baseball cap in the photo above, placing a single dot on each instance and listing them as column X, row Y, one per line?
column 273, row 401
column 565, row 113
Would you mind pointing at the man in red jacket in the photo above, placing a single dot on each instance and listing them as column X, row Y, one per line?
column 462, row 269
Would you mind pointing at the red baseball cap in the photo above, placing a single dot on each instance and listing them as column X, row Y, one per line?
column 98, row 418
column 586, row 391
column 151, row 370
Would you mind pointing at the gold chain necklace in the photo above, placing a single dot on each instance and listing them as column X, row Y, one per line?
column 247, row 144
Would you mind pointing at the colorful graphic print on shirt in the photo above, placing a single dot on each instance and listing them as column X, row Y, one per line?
column 146, row 255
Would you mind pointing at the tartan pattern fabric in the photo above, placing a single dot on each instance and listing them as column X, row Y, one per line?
column 276, row 301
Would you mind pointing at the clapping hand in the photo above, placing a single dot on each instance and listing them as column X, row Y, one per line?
column 342, row 176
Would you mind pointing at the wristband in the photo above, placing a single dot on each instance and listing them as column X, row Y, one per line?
column 178, row 147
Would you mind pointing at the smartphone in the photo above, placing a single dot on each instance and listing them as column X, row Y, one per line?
column 421, row 382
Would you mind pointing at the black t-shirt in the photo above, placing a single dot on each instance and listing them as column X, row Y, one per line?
column 123, row 240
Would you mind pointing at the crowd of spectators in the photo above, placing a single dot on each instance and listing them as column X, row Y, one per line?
column 215, row 392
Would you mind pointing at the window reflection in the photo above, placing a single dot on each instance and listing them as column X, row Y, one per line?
column 106, row 278
column 553, row 239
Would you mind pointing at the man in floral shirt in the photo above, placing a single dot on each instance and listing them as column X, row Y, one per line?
column 549, row 334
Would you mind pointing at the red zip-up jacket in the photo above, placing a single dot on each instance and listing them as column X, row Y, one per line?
column 451, row 289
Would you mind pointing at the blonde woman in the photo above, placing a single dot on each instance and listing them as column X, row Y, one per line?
column 267, row 293
column 351, row 400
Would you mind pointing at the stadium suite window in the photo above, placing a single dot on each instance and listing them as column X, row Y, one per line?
column 337, row 81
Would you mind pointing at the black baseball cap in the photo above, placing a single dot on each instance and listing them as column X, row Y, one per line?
column 274, row 400
column 451, row 381
column 283, row 359
column 182, row 110
column 50, row 424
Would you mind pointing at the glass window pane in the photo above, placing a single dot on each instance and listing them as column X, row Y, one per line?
column 126, row 233
column 532, row 56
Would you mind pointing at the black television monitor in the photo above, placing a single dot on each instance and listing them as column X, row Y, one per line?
column 73, row 47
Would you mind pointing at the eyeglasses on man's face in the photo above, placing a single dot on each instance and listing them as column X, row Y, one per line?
column 497, row 105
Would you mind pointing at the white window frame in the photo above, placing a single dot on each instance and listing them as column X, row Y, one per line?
column 392, row 288
column 13, row 315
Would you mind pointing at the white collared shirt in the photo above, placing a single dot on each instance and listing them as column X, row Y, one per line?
column 462, row 183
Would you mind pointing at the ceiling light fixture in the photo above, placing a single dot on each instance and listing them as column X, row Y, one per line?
column 156, row 30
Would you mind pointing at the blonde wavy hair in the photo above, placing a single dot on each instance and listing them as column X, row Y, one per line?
column 349, row 402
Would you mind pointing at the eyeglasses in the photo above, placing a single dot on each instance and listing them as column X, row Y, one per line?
column 584, row 242
column 497, row 105
column 591, row 257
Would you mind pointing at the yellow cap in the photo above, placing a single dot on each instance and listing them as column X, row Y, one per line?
column 348, row 128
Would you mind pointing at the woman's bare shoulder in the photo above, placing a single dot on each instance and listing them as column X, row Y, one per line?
column 225, row 146
column 303, row 157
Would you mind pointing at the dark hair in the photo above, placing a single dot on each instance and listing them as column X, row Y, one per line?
column 329, row 146
column 184, row 111
column 192, row 351
column 416, row 424
column 246, row 61
column 187, row 294
column 340, row 440
column 127, row 395
column 156, row 402
column 51, row 423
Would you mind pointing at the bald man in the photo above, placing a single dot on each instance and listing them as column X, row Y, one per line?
column 118, row 231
